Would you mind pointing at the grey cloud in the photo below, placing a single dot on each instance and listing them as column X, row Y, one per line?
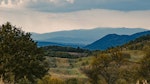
column 77, row 5
column 32, row 21
column 10, row 1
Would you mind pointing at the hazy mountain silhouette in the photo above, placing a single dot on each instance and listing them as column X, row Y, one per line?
column 82, row 36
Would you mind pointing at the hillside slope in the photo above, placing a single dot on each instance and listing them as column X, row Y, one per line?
column 140, row 43
column 113, row 40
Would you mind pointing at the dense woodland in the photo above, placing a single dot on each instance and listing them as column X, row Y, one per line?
column 22, row 62
column 65, row 52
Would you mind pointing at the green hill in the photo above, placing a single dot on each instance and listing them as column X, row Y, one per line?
column 139, row 43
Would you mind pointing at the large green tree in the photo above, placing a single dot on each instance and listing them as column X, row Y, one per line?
column 19, row 55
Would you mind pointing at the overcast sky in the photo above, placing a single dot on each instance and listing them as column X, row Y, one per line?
column 55, row 15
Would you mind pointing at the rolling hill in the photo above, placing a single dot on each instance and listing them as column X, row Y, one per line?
column 113, row 40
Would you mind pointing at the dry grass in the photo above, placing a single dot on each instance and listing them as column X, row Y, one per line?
column 136, row 55
column 69, row 68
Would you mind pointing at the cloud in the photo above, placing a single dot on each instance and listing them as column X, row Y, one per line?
column 42, row 4
column 62, row 1
column 55, row 15
column 41, row 22
column 77, row 5
column 10, row 3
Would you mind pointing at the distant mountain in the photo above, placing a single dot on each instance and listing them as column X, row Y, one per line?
column 113, row 40
column 82, row 36
column 43, row 43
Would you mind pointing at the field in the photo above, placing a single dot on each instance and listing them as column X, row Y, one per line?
column 65, row 68
column 68, row 68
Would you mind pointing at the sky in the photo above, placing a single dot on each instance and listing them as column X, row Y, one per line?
column 43, row 16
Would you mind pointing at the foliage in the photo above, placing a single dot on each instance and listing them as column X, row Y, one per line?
column 64, row 52
column 140, row 39
column 49, row 80
column 75, row 81
column 115, row 65
column 24, row 81
column 19, row 55
column 65, row 49
column 145, row 66
column 106, row 67
column 139, row 43
column 60, row 54
column 121, row 81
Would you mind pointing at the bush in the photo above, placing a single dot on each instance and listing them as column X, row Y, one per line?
column 74, row 81
column 49, row 80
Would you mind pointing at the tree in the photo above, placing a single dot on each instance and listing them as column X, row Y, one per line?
column 19, row 55
column 106, row 67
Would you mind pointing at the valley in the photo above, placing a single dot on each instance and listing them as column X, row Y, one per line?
column 74, row 42
column 114, row 59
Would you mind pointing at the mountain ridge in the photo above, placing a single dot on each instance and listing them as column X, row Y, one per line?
column 113, row 40
column 82, row 36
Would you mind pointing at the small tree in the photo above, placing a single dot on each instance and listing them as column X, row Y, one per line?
column 19, row 55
